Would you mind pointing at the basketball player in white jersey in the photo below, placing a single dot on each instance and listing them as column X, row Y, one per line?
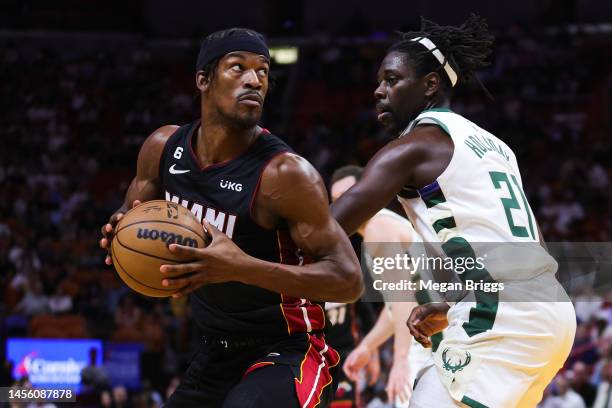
column 408, row 357
column 461, row 185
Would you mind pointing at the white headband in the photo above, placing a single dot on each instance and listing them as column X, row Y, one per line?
column 427, row 43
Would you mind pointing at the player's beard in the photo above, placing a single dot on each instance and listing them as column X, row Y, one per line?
column 397, row 124
column 241, row 120
column 391, row 125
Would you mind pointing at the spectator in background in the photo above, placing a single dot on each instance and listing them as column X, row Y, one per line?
column 120, row 397
column 605, row 351
column 34, row 302
column 565, row 396
column 93, row 376
column 174, row 382
column 24, row 384
column 580, row 383
column 603, row 398
column 59, row 302
column 128, row 318
column 6, row 373
column 587, row 303
column 106, row 400
column 147, row 397
column 585, row 346
column 128, row 314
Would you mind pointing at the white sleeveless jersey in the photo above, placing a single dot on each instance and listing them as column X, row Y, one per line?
column 496, row 352
column 478, row 198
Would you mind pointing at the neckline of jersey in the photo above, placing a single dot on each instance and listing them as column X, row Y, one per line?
column 409, row 127
column 437, row 110
column 225, row 162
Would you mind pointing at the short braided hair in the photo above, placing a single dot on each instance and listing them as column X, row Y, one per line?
column 466, row 47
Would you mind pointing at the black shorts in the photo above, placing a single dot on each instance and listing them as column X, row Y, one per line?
column 297, row 371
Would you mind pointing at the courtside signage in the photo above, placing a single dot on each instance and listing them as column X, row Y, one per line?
column 51, row 363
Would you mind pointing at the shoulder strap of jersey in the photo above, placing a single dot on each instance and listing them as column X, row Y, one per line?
column 429, row 117
column 172, row 142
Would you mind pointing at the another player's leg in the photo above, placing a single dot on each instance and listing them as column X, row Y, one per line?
column 430, row 392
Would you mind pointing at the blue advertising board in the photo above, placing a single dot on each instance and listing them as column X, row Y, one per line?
column 51, row 363
column 122, row 363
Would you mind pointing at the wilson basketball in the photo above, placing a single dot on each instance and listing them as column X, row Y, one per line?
column 142, row 239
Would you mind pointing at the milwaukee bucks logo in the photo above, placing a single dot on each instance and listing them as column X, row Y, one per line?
column 453, row 364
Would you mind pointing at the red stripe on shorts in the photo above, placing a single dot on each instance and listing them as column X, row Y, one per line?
column 256, row 366
column 301, row 315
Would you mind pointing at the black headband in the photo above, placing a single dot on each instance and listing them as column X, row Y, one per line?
column 218, row 47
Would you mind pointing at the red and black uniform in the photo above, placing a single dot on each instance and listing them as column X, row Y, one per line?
column 260, row 348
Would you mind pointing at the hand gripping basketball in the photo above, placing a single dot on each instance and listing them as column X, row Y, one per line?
column 142, row 240
column 108, row 231
column 221, row 261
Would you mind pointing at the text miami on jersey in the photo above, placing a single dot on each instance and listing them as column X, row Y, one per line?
column 222, row 221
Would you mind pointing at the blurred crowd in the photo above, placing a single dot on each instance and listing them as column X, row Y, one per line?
column 74, row 117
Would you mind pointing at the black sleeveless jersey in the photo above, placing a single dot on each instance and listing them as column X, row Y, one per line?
column 223, row 194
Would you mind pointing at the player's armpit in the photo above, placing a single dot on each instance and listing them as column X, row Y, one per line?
column 146, row 185
column 292, row 190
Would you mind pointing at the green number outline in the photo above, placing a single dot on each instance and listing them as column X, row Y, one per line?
column 497, row 177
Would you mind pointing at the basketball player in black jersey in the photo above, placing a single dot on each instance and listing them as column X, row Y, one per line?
column 255, row 295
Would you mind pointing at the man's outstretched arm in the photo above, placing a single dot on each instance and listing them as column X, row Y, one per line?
column 416, row 159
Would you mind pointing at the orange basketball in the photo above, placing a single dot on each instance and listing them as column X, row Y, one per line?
column 141, row 241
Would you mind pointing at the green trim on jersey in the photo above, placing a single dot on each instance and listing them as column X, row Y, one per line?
column 437, row 110
column 444, row 223
column 436, row 339
column 435, row 199
column 526, row 205
column 471, row 403
column 482, row 316
column 436, row 121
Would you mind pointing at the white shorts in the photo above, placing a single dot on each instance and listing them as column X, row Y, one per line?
column 418, row 358
column 506, row 366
